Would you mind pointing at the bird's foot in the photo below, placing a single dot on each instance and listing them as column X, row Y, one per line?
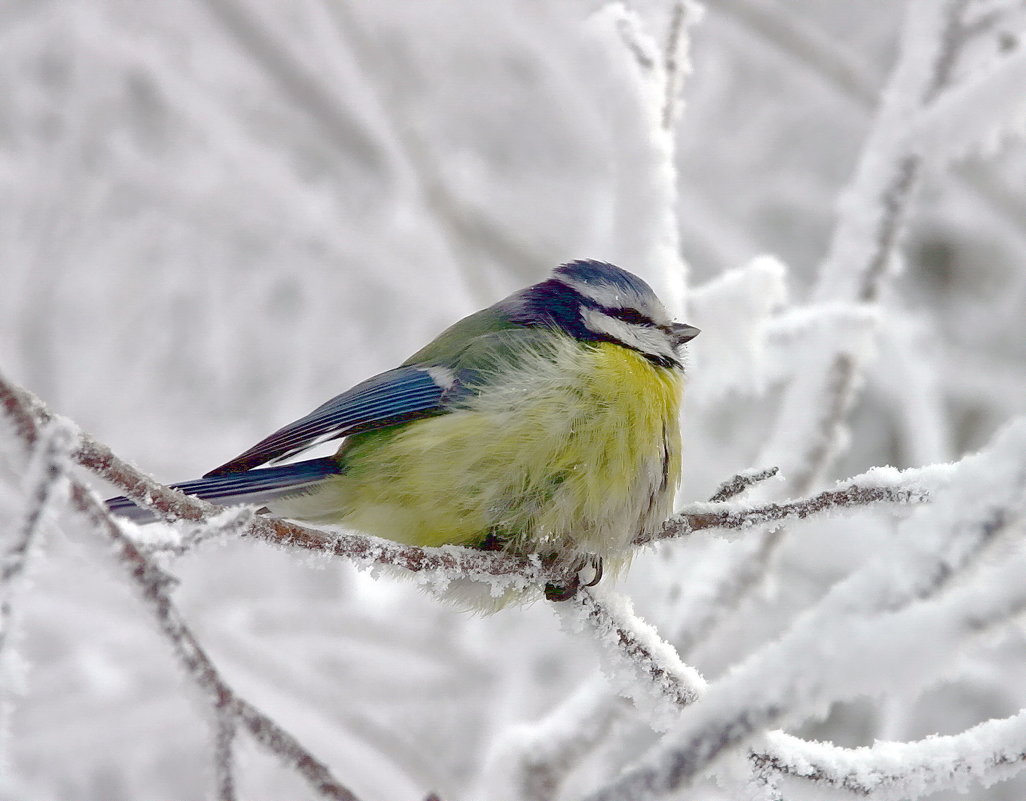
column 564, row 591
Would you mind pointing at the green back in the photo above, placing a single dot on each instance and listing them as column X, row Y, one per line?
column 446, row 348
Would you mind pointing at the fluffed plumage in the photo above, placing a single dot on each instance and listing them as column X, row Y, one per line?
column 547, row 423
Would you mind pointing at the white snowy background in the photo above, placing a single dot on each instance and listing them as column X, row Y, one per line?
column 216, row 214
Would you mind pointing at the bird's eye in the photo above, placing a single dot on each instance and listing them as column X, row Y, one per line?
column 632, row 316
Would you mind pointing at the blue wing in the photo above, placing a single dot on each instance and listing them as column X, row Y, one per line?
column 252, row 487
column 396, row 396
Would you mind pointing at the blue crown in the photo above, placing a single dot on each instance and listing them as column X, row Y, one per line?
column 602, row 274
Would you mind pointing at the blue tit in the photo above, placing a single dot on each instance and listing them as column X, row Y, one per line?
column 547, row 423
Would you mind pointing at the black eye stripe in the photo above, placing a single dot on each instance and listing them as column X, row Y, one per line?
column 632, row 316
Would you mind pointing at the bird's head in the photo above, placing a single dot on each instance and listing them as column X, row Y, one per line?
column 598, row 302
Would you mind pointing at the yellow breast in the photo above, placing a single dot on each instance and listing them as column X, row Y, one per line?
column 577, row 450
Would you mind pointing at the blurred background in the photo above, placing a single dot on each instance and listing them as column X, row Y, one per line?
column 215, row 214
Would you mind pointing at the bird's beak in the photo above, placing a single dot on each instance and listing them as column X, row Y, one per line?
column 682, row 332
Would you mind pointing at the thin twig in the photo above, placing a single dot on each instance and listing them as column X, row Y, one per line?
column 861, row 274
column 676, row 59
column 831, row 394
column 937, row 763
column 733, row 487
column 153, row 585
column 45, row 467
column 641, row 649
column 731, row 519
column 812, row 663
column 224, row 760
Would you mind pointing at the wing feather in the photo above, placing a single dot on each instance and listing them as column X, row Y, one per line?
column 400, row 395
column 396, row 396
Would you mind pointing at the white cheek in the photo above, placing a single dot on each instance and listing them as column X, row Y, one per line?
column 647, row 340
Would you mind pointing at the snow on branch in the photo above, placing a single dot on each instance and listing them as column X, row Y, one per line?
column 647, row 230
column 639, row 663
column 892, row 771
column 895, row 622
column 741, row 483
column 810, row 425
column 154, row 585
column 677, row 58
column 534, row 761
column 224, row 761
column 963, row 119
column 883, row 486
column 49, row 453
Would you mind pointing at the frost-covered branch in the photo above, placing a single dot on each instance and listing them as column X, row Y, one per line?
column 865, row 622
column 655, row 83
column 677, row 58
column 28, row 412
column 811, row 420
column 224, row 759
column 154, row 585
column 49, row 453
column 893, row 771
column 809, row 429
column 639, row 663
column 887, row 488
column 740, row 483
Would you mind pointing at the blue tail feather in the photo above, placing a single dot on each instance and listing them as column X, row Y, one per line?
column 248, row 487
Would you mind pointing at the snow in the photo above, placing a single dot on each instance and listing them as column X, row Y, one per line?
column 215, row 216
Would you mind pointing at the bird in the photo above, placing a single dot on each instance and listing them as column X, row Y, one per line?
column 547, row 423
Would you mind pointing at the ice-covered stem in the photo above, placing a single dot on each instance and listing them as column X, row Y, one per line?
column 736, row 517
column 731, row 581
column 28, row 412
column 659, row 74
column 886, row 771
column 810, row 426
column 224, row 759
column 676, row 57
column 153, row 585
column 895, row 621
column 639, row 663
column 233, row 521
column 733, row 487
column 49, row 453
